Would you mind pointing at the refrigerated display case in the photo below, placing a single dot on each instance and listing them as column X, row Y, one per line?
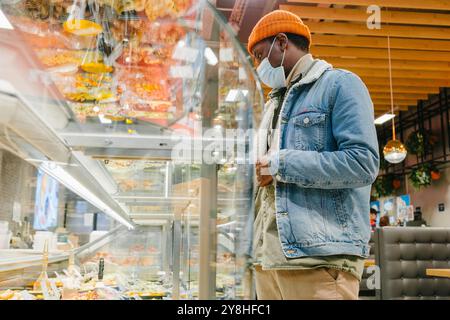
column 145, row 112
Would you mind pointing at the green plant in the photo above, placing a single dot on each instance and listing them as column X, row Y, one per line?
column 386, row 185
column 420, row 142
column 421, row 176
column 382, row 186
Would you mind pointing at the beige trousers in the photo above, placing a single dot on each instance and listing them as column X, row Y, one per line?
column 308, row 284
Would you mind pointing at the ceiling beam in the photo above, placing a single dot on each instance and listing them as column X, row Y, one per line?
column 399, row 96
column 387, row 94
column 386, row 30
column 380, row 42
column 396, row 102
column 384, row 64
column 403, row 89
column 418, row 55
column 412, row 74
column 269, row 6
column 387, row 107
column 379, row 113
column 400, row 92
column 360, row 15
column 406, row 82
column 320, row 5
column 409, row 4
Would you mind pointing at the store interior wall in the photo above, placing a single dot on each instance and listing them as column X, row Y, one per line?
column 18, row 184
column 16, row 177
column 428, row 199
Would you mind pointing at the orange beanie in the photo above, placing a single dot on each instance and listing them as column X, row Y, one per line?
column 276, row 22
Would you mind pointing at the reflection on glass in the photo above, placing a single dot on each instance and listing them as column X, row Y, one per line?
column 46, row 202
column 150, row 118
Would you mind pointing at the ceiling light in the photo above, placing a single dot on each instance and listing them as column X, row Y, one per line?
column 232, row 95
column 185, row 53
column 184, row 72
column 394, row 151
column 56, row 162
column 384, row 118
column 211, row 58
column 63, row 177
column 235, row 95
column 4, row 23
column 226, row 54
column 103, row 119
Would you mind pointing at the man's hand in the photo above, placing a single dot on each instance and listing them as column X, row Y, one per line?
column 262, row 172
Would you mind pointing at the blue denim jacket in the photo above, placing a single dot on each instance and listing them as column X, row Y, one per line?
column 327, row 160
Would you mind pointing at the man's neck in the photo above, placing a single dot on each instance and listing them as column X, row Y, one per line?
column 288, row 71
column 300, row 67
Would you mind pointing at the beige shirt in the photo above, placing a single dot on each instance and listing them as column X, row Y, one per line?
column 302, row 66
column 266, row 242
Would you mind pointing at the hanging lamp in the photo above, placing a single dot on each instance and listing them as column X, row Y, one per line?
column 77, row 24
column 95, row 64
column 394, row 151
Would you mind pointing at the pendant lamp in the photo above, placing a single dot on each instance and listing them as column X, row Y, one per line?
column 394, row 151
column 77, row 24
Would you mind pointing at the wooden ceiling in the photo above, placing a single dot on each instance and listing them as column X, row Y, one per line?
column 419, row 33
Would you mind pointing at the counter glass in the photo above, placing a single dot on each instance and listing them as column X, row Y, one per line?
column 144, row 112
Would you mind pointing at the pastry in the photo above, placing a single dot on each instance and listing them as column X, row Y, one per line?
column 139, row 5
column 7, row 295
column 155, row 9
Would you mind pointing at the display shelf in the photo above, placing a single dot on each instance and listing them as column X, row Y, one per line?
column 110, row 109
column 18, row 259
column 13, row 259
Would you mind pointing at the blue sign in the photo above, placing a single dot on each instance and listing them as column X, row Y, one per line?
column 46, row 202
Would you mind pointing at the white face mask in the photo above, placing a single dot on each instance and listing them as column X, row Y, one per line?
column 272, row 77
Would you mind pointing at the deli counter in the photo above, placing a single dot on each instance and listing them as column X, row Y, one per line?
column 125, row 151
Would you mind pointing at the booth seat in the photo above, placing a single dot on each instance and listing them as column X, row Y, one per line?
column 403, row 255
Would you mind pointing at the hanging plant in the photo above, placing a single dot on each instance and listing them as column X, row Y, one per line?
column 420, row 142
column 421, row 176
column 383, row 186
column 435, row 173
column 396, row 183
column 386, row 185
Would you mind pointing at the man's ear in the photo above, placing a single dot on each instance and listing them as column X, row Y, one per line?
column 282, row 39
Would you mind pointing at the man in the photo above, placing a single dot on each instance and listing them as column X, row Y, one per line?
column 318, row 156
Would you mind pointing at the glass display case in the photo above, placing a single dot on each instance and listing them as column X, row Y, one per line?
column 145, row 111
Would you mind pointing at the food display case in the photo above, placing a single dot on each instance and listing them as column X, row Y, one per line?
column 145, row 110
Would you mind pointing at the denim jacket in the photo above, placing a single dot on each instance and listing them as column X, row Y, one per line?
column 325, row 165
